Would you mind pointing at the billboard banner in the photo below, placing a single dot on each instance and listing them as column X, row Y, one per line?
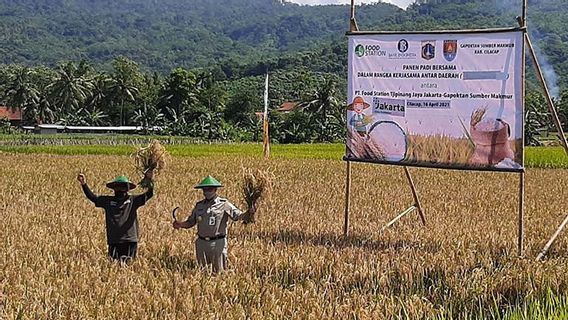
column 436, row 100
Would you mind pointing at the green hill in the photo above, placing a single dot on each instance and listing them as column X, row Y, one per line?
column 243, row 36
column 165, row 34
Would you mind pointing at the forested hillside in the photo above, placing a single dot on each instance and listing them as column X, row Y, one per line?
column 182, row 64
column 164, row 34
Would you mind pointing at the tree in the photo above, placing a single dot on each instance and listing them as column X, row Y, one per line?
column 148, row 117
column 244, row 101
column 44, row 112
column 71, row 87
column 210, row 95
column 211, row 125
column 100, row 93
column 150, row 90
column 93, row 117
column 562, row 107
column 297, row 126
column 21, row 92
column 179, row 94
column 323, row 104
column 536, row 118
column 125, row 81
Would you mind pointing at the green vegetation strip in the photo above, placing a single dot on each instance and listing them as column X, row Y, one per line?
column 546, row 157
column 91, row 139
column 535, row 157
column 289, row 151
column 552, row 306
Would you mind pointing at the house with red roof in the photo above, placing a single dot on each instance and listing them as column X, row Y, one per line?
column 287, row 106
column 13, row 115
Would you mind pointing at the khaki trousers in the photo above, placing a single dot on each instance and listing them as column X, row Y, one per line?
column 213, row 252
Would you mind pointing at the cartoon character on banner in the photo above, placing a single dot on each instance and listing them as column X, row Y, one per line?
column 359, row 120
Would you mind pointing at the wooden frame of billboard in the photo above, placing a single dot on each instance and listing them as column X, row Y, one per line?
column 353, row 29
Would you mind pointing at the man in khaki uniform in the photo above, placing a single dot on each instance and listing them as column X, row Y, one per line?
column 211, row 216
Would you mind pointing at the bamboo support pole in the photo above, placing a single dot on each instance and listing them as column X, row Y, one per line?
column 402, row 214
column 352, row 21
column 352, row 27
column 415, row 195
column 549, row 243
column 265, row 139
column 521, row 222
column 347, row 198
column 524, row 16
column 521, row 231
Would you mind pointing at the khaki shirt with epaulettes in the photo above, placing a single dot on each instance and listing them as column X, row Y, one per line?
column 211, row 217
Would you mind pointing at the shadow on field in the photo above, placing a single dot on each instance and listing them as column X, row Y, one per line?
column 333, row 240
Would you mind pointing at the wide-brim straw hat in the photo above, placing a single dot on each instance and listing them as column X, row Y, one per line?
column 209, row 181
column 358, row 100
column 121, row 181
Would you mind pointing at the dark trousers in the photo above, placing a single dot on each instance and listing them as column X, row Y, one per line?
column 123, row 251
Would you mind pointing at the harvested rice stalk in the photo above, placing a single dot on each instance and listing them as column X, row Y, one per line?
column 374, row 150
column 477, row 116
column 153, row 157
column 367, row 119
column 364, row 147
column 357, row 145
column 257, row 188
column 466, row 132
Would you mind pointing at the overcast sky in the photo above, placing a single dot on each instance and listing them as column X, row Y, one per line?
column 400, row 3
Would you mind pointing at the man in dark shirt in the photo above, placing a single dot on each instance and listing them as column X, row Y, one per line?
column 120, row 215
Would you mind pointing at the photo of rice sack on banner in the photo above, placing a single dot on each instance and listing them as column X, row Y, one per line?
column 436, row 100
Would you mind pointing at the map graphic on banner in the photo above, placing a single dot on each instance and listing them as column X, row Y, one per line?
column 436, row 100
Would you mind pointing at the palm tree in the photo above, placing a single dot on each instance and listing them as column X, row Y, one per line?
column 125, row 83
column 71, row 87
column 93, row 117
column 210, row 122
column 536, row 118
column 43, row 113
column 123, row 91
column 251, row 122
column 323, row 103
column 210, row 95
column 148, row 117
column 177, row 125
column 21, row 93
column 71, row 118
column 99, row 92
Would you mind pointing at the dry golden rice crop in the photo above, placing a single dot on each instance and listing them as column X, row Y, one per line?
column 294, row 262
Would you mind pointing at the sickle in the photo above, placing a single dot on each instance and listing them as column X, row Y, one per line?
column 174, row 213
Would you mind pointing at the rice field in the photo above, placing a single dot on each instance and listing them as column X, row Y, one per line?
column 293, row 262
column 535, row 157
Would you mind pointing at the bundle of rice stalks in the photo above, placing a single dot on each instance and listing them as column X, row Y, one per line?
column 367, row 119
column 363, row 147
column 356, row 148
column 153, row 157
column 477, row 116
column 257, row 188
column 374, row 150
